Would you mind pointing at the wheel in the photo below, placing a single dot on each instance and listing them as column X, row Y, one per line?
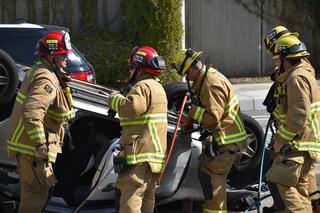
column 8, row 78
column 247, row 165
column 246, row 169
column 175, row 92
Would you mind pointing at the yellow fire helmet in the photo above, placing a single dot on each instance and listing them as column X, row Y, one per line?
column 273, row 35
column 184, row 60
column 290, row 47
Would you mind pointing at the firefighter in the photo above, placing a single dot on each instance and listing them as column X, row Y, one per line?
column 43, row 104
column 140, row 155
column 270, row 42
column 217, row 109
column 296, row 141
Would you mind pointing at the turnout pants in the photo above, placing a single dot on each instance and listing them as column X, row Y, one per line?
column 213, row 176
column 277, row 201
column 36, row 180
column 291, row 175
column 137, row 189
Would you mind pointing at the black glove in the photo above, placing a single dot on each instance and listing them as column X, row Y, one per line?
column 284, row 150
column 211, row 149
column 111, row 113
column 119, row 159
column 204, row 133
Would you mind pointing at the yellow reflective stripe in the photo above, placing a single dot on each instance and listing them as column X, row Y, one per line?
column 20, row 98
column 231, row 105
column 233, row 113
column 240, row 123
column 61, row 116
column 155, row 138
column 306, row 145
column 115, row 102
column 29, row 72
column 52, row 41
column 276, row 114
column 18, row 131
column 36, row 133
column 213, row 211
column 69, row 97
column 144, row 119
column 237, row 120
column 29, row 150
column 39, row 62
column 279, row 89
column 314, row 125
column 198, row 116
column 232, row 138
column 146, row 157
column 285, row 133
column 280, row 117
column 141, row 53
column 315, row 107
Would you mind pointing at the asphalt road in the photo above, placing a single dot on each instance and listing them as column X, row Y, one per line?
column 58, row 205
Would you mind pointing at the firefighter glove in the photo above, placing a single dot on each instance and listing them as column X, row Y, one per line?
column 211, row 149
column 119, row 159
column 284, row 150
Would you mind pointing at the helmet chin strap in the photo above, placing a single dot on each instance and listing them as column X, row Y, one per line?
column 61, row 73
column 281, row 68
column 132, row 80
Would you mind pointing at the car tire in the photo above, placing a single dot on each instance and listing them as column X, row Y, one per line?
column 240, row 175
column 248, row 167
column 8, row 78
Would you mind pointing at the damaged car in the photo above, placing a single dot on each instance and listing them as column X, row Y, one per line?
column 84, row 169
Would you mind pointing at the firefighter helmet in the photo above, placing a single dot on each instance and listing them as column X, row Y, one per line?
column 147, row 58
column 274, row 34
column 185, row 59
column 290, row 47
column 54, row 43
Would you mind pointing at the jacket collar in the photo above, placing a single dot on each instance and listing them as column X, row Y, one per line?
column 283, row 76
column 144, row 77
column 46, row 63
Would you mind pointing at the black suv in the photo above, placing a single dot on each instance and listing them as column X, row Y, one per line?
column 20, row 41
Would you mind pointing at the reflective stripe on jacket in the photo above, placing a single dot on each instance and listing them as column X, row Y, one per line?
column 213, row 211
column 38, row 114
column 276, row 113
column 143, row 117
column 299, row 110
column 220, row 110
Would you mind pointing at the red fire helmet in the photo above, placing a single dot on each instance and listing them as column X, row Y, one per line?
column 147, row 58
column 54, row 43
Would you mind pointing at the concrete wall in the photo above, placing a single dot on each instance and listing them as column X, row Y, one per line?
column 229, row 35
column 61, row 12
column 231, row 32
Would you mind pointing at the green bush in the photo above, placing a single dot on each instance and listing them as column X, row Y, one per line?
column 107, row 54
column 155, row 23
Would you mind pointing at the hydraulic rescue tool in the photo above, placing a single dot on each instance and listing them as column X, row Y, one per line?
column 174, row 136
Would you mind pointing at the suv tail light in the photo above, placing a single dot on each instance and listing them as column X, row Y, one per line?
column 84, row 76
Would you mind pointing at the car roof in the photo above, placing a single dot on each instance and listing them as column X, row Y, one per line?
column 35, row 26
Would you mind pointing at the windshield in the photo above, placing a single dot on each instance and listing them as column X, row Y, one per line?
column 21, row 46
column 75, row 60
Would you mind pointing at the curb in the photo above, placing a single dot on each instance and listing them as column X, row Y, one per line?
column 251, row 96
